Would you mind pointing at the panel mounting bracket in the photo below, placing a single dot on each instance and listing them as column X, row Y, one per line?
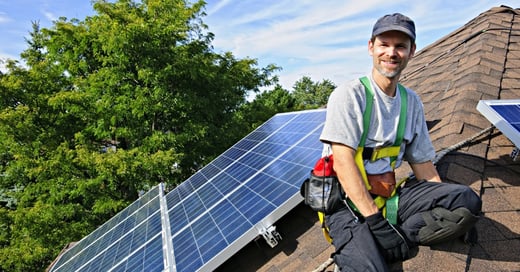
column 271, row 236
column 515, row 154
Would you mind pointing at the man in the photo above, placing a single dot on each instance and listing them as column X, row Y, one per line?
column 429, row 211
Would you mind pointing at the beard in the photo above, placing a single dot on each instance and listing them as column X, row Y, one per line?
column 390, row 73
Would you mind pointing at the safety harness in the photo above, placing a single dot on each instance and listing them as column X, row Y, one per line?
column 388, row 205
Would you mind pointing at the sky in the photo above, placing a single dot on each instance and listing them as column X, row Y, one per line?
column 323, row 40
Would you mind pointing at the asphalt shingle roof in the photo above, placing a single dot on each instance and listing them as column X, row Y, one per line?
column 478, row 61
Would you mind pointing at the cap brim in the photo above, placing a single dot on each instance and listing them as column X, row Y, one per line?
column 395, row 28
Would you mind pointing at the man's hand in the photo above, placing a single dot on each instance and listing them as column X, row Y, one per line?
column 395, row 246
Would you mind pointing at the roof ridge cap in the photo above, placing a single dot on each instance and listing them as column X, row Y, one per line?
column 504, row 8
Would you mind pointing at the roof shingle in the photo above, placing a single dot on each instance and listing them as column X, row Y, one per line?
column 480, row 60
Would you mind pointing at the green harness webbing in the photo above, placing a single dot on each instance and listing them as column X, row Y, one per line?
column 388, row 205
column 367, row 114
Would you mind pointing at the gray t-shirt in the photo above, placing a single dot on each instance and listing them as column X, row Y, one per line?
column 344, row 124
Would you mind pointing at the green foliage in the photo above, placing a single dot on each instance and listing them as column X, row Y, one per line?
column 105, row 107
column 311, row 95
column 264, row 106
column 306, row 95
column 114, row 104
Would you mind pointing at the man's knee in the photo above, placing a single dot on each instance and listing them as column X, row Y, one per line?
column 472, row 201
column 443, row 225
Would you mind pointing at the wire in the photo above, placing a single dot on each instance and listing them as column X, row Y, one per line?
column 494, row 163
column 458, row 145
column 324, row 265
column 437, row 158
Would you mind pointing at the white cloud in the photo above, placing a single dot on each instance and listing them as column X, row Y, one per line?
column 4, row 18
column 319, row 39
column 325, row 39
column 49, row 15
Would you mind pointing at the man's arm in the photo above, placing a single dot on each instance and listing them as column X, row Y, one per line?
column 351, row 180
column 425, row 170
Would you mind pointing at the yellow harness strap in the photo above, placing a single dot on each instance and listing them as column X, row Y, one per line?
column 324, row 228
column 392, row 152
column 389, row 151
column 359, row 161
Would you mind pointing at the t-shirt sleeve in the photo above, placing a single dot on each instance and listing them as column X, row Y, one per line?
column 344, row 121
column 419, row 149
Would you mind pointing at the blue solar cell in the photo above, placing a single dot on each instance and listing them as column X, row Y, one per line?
column 224, row 183
column 134, row 262
column 207, row 236
column 100, row 251
column 232, row 224
column 505, row 115
column 187, row 257
column 153, row 256
column 222, row 162
column 194, row 182
column 210, row 194
column 250, row 204
column 240, row 171
column 214, row 211
column 244, row 185
column 511, row 113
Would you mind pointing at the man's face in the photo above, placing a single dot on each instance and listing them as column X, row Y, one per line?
column 391, row 52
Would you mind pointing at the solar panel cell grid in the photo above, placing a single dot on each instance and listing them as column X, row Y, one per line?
column 186, row 254
column 511, row 113
column 90, row 254
column 505, row 115
column 153, row 256
column 218, row 209
column 253, row 186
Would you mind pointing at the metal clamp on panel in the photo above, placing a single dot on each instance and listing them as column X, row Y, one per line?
column 515, row 153
column 271, row 236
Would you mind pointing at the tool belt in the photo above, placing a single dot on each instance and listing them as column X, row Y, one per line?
column 382, row 184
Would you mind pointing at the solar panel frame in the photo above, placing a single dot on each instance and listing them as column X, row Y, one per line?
column 287, row 133
column 213, row 214
column 505, row 115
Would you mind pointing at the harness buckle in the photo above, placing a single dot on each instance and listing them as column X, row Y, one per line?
column 382, row 152
column 375, row 153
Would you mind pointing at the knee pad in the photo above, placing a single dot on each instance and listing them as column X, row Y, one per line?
column 443, row 225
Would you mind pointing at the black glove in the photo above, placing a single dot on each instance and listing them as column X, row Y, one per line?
column 395, row 246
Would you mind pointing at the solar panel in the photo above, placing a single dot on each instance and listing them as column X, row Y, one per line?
column 214, row 213
column 121, row 239
column 228, row 203
column 505, row 115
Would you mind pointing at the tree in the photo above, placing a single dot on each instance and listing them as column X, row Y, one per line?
column 104, row 107
column 311, row 95
column 264, row 106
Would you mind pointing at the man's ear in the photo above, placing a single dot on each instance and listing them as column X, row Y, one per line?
column 370, row 47
column 412, row 50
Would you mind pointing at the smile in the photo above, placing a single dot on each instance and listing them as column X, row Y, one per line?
column 390, row 62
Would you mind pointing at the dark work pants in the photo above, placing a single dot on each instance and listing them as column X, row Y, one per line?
column 356, row 249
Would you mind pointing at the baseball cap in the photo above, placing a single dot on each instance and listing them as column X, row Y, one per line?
column 395, row 21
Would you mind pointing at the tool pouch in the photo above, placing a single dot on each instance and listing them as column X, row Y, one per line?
column 322, row 191
column 382, row 184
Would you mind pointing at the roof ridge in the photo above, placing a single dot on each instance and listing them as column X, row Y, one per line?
column 504, row 8
column 493, row 10
column 481, row 19
column 470, row 64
